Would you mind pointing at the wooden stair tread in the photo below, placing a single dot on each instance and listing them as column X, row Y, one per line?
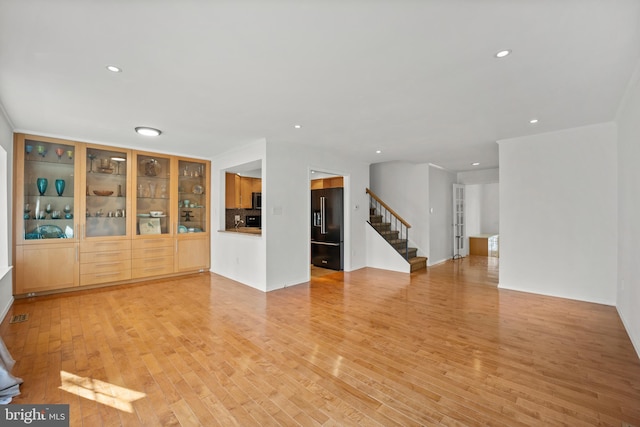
column 418, row 263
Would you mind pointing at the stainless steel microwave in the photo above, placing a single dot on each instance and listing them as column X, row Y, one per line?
column 256, row 200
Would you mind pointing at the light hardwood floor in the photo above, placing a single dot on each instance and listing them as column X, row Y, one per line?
column 371, row 347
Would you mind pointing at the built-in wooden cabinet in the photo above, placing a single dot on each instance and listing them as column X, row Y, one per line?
column 89, row 215
column 45, row 267
column 333, row 182
column 239, row 191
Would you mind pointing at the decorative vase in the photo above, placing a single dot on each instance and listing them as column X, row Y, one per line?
column 42, row 185
column 60, row 186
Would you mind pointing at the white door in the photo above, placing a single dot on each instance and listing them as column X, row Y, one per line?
column 459, row 228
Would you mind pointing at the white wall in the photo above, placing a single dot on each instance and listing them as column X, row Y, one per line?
column 473, row 210
column 234, row 255
column 482, row 176
column 558, row 213
column 382, row 255
column 628, row 296
column 441, row 217
column 287, row 210
column 490, row 209
column 482, row 208
column 405, row 188
column 6, row 225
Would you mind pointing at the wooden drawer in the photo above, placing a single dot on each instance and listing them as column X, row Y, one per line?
column 97, row 257
column 105, row 267
column 113, row 276
column 149, row 267
column 153, row 252
column 151, row 243
column 105, row 246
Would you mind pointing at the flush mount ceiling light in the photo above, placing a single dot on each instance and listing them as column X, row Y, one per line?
column 533, row 121
column 475, row 164
column 503, row 53
column 147, row 131
column 114, row 69
column 378, row 151
column 297, row 126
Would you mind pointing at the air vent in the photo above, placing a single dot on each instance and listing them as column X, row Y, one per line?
column 19, row 318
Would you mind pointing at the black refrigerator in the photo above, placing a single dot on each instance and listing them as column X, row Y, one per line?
column 327, row 228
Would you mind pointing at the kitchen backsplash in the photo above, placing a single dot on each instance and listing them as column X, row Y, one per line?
column 231, row 214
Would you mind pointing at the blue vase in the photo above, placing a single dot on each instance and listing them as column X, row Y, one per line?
column 59, row 186
column 42, row 185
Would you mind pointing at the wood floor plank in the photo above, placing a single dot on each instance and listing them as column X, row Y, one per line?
column 442, row 346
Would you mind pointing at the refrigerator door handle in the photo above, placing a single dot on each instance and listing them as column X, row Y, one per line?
column 323, row 225
column 325, row 243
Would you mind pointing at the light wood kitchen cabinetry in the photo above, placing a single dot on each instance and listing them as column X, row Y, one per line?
column 91, row 215
column 239, row 190
column 334, row 182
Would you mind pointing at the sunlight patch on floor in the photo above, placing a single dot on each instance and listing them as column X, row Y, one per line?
column 99, row 391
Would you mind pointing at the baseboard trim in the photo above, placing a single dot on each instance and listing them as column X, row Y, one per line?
column 438, row 262
column 634, row 343
column 6, row 309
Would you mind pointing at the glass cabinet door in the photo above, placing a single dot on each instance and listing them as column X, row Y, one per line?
column 106, row 192
column 192, row 194
column 49, row 203
column 153, row 192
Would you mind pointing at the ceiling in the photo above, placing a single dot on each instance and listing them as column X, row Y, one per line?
column 417, row 80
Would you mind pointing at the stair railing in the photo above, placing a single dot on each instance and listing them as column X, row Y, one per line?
column 390, row 216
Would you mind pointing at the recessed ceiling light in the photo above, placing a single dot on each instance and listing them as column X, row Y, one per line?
column 503, row 53
column 475, row 164
column 146, row 131
column 533, row 121
column 297, row 126
column 114, row 69
column 378, row 151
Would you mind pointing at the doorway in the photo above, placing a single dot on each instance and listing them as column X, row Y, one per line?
column 326, row 223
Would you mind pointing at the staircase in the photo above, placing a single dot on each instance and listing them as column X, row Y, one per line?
column 394, row 230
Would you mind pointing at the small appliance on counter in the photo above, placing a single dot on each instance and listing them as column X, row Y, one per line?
column 253, row 221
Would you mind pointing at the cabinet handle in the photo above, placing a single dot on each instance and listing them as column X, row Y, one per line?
column 107, row 274
column 146, row 251
column 103, row 254
column 107, row 264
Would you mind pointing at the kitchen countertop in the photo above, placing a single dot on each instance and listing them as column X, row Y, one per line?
column 244, row 230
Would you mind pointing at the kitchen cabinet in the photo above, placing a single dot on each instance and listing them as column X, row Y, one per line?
column 239, row 189
column 87, row 215
column 333, row 182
